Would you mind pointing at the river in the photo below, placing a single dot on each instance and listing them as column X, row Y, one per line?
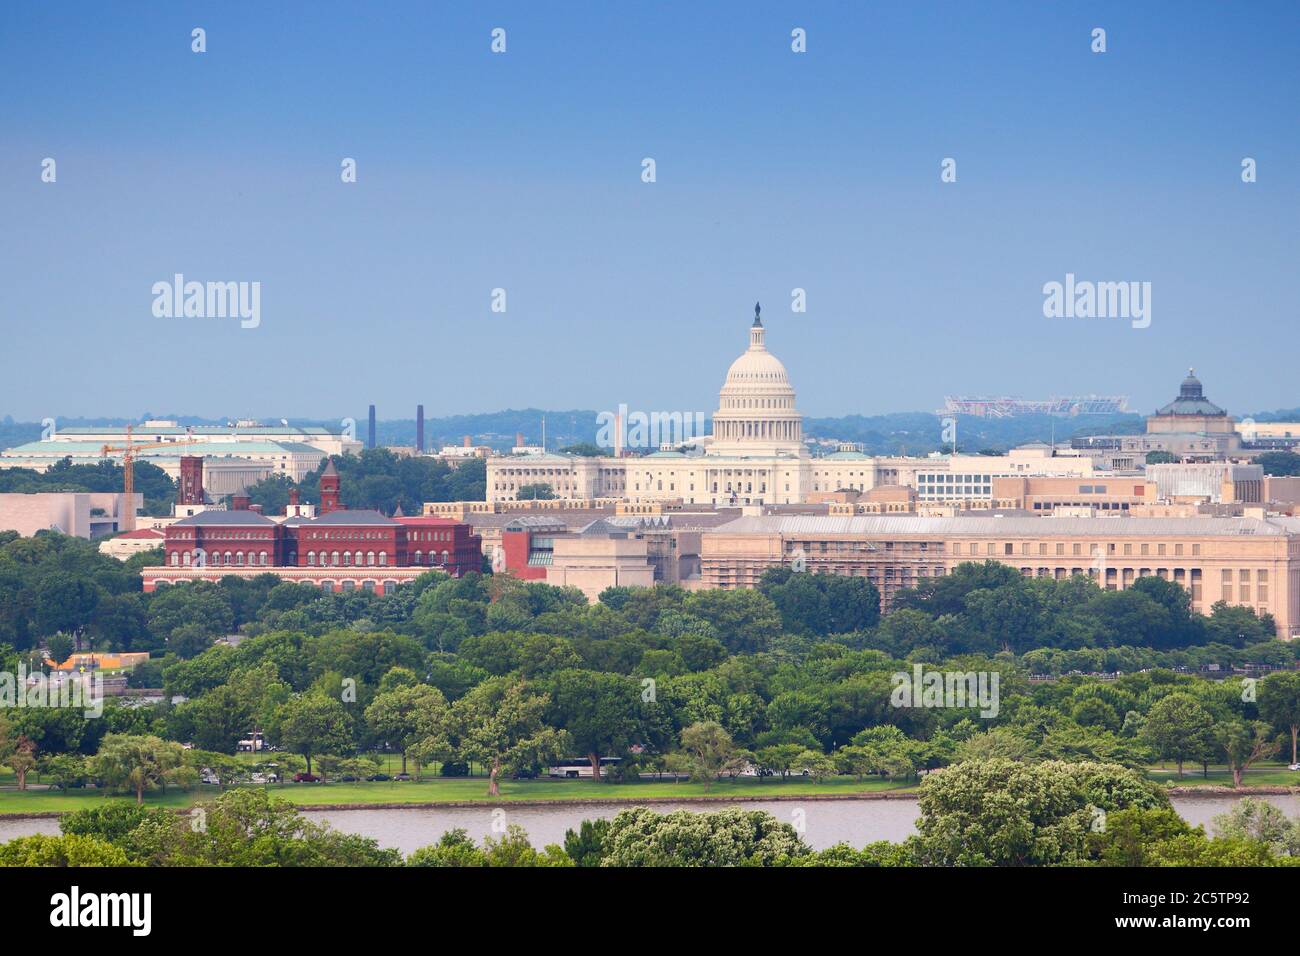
column 822, row 822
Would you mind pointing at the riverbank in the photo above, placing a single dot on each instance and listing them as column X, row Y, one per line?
column 40, row 804
column 465, row 792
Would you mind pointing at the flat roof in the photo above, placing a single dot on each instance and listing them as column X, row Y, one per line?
column 1011, row 527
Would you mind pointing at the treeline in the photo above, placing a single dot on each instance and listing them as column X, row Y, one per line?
column 159, row 491
column 379, row 480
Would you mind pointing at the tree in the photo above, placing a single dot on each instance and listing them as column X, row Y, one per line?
column 1003, row 813
column 64, row 770
column 136, row 763
column 1252, row 819
column 405, row 714
column 1243, row 743
column 816, row 765
column 708, row 750
column 1179, row 728
column 60, row 646
column 312, row 723
column 586, row 847
column 500, row 724
column 733, row 837
column 601, row 712
column 21, row 758
column 250, row 827
column 1279, row 704
column 66, row 850
column 1279, row 463
column 779, row 758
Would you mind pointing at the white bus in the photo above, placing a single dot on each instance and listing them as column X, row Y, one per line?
column 574, row 768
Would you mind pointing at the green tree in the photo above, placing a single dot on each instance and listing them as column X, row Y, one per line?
column 67, row 850
column 1178, row 727
column 1279, row 704
column 601, row 712
column 732, row 837
column 310, row 724
column 136, row 763
column 1004, row 813
column 708, row 750
column 499, row 723
column 404, row 715
column 1243, row 743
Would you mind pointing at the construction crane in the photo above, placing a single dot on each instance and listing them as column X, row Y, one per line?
column 128, row 468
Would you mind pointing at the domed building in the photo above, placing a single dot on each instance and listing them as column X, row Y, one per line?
column 756, row 413
column 755, row 456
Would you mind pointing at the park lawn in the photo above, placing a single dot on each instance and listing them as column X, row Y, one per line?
column 1260, row 775
column 463, row 790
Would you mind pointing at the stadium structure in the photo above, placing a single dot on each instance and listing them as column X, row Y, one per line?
column 1006, row 407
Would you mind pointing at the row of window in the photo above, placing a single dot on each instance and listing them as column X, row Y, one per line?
column 328, row 559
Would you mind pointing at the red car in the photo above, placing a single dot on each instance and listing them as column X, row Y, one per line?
column 305, row 778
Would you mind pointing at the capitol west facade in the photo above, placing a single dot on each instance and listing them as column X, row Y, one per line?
column 755, row 456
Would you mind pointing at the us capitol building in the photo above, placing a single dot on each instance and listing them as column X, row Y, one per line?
column 755, row 456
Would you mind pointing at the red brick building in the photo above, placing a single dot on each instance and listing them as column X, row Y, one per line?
column 339, row 550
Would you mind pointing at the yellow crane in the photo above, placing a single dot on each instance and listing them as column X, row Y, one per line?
column 128, row 468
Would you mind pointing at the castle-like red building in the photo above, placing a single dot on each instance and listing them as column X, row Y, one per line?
column 335, row 548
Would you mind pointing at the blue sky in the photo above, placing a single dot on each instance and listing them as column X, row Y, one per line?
column 522, row 171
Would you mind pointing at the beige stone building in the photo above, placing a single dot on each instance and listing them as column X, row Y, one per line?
column 1250, row 561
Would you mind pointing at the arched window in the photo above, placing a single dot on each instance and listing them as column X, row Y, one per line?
column 347, row 558
column 228, row 561
column 359, row 559
column 262, row 559
column 335, row 559
column 176, row 560
column 239, row 558
column 311, row 557
column 187, row 559
column 370, row 557
column 383, row 557
column 417, row 558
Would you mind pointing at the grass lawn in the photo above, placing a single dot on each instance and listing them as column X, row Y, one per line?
column 1260, row 775
column 462, row 790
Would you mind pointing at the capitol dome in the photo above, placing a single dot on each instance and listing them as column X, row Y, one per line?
column 756, row 413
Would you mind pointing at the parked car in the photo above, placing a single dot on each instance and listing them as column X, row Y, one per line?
column 347, row 778
column 402, row 776
column 378, row 776
column 302, row 777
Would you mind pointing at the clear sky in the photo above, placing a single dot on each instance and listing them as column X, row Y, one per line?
column 522, row 171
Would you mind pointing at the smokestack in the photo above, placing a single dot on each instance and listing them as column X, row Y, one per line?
column 467, row 441
column 239, row 502
column 293, row 496
column 419, row 429
column 519, row 439
column 370, row 442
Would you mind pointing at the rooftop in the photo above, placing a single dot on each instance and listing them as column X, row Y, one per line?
column 1012, row 527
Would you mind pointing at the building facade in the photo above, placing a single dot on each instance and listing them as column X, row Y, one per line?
column 1253, row 562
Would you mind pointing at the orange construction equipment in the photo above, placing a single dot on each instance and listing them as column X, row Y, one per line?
column 128, row 468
